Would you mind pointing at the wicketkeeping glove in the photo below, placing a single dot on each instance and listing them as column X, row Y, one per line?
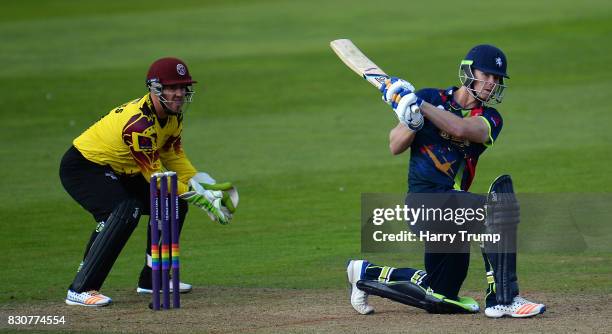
column 223, row 197
column 207, row 200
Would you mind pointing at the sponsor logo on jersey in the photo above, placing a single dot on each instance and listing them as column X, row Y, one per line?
column 454, row 140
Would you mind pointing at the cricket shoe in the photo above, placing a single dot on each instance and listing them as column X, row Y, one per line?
column 183, row 288
column 520, row 308
column 90, row 298
column 359, row 299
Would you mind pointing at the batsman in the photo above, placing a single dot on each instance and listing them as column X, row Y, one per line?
column 107, row 171
column 446, row 131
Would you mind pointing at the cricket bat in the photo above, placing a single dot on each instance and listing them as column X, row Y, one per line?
column 350, row 54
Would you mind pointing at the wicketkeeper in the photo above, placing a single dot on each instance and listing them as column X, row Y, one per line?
column 453, row 128
column 108, row 167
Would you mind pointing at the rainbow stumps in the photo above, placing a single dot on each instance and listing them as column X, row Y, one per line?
column 164, row 214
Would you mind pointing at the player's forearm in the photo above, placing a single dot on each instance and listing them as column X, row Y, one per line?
column 471, row 128
column 400, row 139
column 443, row 120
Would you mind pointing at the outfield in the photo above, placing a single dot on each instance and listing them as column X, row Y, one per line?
column 300, row 135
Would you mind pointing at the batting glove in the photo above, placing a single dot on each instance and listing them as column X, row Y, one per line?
column 408, row 110
column 392, row 88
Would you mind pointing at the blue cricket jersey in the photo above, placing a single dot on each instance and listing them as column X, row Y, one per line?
column 440, row 162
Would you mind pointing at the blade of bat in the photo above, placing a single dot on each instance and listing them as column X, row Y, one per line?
column 350, row 54
column 357, row 61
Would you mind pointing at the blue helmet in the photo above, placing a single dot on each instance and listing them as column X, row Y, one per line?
column 489, row 59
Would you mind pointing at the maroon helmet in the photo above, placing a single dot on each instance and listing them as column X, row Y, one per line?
column 169, row 71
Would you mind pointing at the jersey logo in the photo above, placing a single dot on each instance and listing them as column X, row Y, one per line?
column 139, row 134
column 495, row 120
column 443, row 167
column 457, row 141
column 142, row 142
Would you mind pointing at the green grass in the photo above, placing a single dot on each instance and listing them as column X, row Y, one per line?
column 302, row 137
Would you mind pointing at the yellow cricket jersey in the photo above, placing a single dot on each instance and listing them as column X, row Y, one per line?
column 131, row 140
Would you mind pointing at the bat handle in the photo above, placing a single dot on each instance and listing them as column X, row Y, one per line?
column 415, row 109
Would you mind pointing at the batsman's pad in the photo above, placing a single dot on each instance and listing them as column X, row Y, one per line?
column 106, row 247
column 503, row 217
column 502, row 206
column 408, row 293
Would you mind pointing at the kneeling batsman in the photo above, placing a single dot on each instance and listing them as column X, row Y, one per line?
column 407, row 286
column 412, row 286
column 218, row 200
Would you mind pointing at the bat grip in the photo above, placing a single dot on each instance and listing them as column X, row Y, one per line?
column 415, row 109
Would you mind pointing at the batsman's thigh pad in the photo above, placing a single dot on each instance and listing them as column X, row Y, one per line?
column 412, row 294
column 107, row 246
